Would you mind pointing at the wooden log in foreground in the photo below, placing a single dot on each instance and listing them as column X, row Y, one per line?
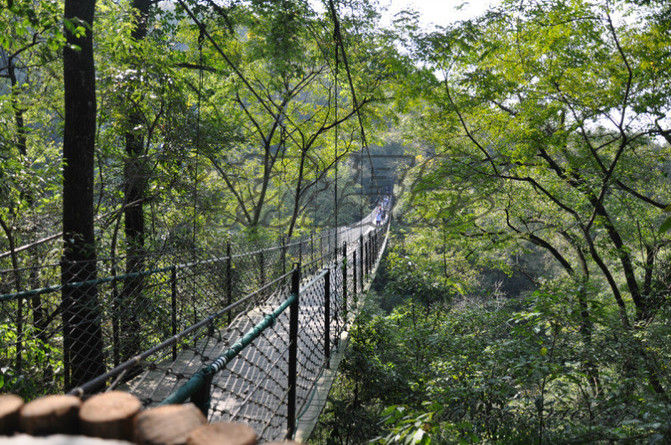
column 223, row 433
column 167, row 425
column 59, row 439
column 109, row 415
column 10, row 406
column 51, row 415
column 114, row 415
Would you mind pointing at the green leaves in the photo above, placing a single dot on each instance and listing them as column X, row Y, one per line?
column 666, row 225
column 76, row 27
column 410, row 428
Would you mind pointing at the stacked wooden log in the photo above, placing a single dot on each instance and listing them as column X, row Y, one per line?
column 115, row 416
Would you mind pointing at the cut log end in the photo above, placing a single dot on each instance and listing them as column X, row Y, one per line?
column 10, row 406
column 223, row 433
column 56, row 414
column 168, row 424
column 109, row 415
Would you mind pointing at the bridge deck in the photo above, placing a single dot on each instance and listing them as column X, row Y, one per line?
column 253, row 387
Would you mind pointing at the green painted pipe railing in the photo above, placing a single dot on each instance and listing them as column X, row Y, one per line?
column 50, row 289
column 200, row 380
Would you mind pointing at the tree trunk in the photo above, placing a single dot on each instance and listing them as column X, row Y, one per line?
column 18, row 287
column 21, row 139
column 134, row 188
column 83, row 343
column 130, row 303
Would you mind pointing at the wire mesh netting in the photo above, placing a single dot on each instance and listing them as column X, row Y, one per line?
column 149, row 323
column 252, row 387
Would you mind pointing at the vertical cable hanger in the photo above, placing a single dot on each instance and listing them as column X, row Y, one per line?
column 201, row 39
column 335, row 88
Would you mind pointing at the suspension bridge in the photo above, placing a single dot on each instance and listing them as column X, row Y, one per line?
column 246, row 336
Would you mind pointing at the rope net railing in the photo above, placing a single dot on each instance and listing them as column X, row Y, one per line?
column 128, row 305
column 154, row 328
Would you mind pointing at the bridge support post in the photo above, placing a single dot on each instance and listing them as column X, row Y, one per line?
column 376, row 246
column 344, row 282
column 368, row 254
column 284, row 254
column 262, row 271
column 173, row 307
column 362, row 261
column 367, row 247
column 229, row 279
column 354, row 285
column 371, row 250
column 327, row 318
column 293, row 351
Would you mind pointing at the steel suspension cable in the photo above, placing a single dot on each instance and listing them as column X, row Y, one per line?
column 336, row 25
column 335, row 88
column 201, row 39
column 221, row 52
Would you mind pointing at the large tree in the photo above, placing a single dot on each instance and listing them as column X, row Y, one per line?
column 81, row 314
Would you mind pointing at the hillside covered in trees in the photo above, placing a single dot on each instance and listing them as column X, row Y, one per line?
column 525, row 292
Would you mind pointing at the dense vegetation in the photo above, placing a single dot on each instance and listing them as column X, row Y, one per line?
column 543, row 148
column 526, row 294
